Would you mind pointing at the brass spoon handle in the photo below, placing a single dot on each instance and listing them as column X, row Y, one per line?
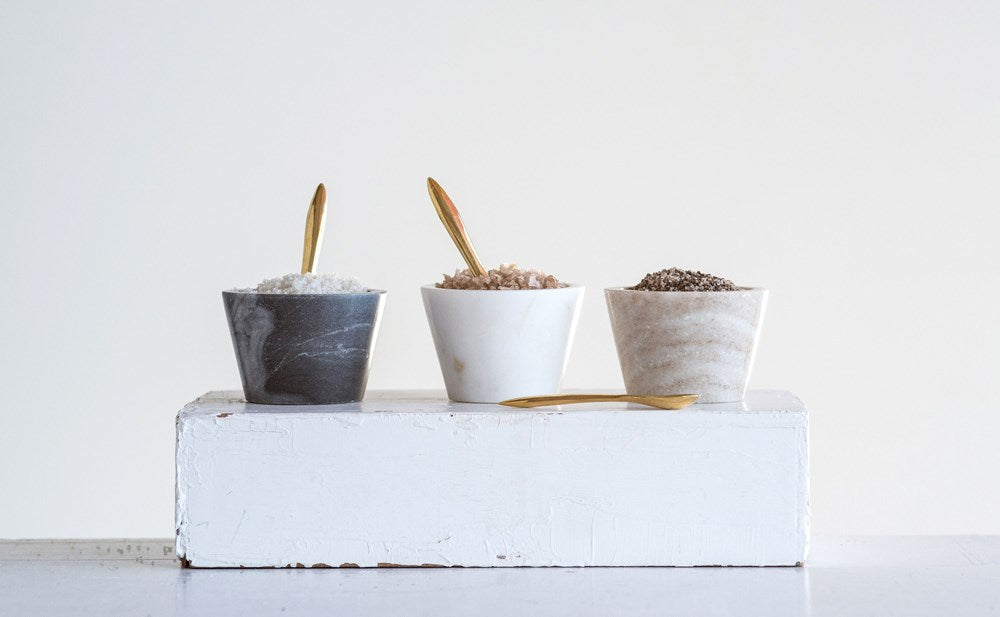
column 448, row 214
column 315, row 221
column 672, row 401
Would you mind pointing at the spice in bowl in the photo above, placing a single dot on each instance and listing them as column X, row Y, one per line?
column 675, row 279
column 507, row 276
column 310, row 283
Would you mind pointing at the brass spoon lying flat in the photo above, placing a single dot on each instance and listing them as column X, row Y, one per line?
column 314, row 230
column 448, row 214
column 671, row 401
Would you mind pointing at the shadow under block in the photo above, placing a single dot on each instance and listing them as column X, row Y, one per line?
column 407, row 479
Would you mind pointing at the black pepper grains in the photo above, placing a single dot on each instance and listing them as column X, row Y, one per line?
column 676, row 279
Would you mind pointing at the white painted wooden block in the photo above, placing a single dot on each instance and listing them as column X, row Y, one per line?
column 404, row 478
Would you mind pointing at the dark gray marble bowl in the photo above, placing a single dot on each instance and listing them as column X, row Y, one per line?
column 304, row 349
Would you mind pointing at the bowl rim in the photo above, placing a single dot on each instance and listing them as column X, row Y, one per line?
column 250, row 292
column 623, row 289
column 434, row 287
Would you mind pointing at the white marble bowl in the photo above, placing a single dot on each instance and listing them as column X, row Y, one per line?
column 499, row 344
column 687, row 342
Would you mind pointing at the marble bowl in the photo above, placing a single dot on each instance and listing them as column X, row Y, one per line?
column 686, row 342
column 499, row 344
column 304, row 349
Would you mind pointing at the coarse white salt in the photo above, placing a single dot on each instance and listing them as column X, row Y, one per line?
column 310, row 283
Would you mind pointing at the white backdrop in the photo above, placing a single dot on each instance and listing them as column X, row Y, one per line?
column 843, row 154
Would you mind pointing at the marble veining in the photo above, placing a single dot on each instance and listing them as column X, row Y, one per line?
column 687, row 342
column 304, row 349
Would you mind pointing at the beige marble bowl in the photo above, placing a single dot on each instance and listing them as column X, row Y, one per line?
column 686, row 342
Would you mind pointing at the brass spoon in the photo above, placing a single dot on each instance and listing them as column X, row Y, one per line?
column 315, row 221
column 672, row 401
column 448, row 214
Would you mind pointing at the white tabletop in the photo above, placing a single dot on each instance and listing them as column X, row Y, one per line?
column 912, row 576
column 435, row 401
